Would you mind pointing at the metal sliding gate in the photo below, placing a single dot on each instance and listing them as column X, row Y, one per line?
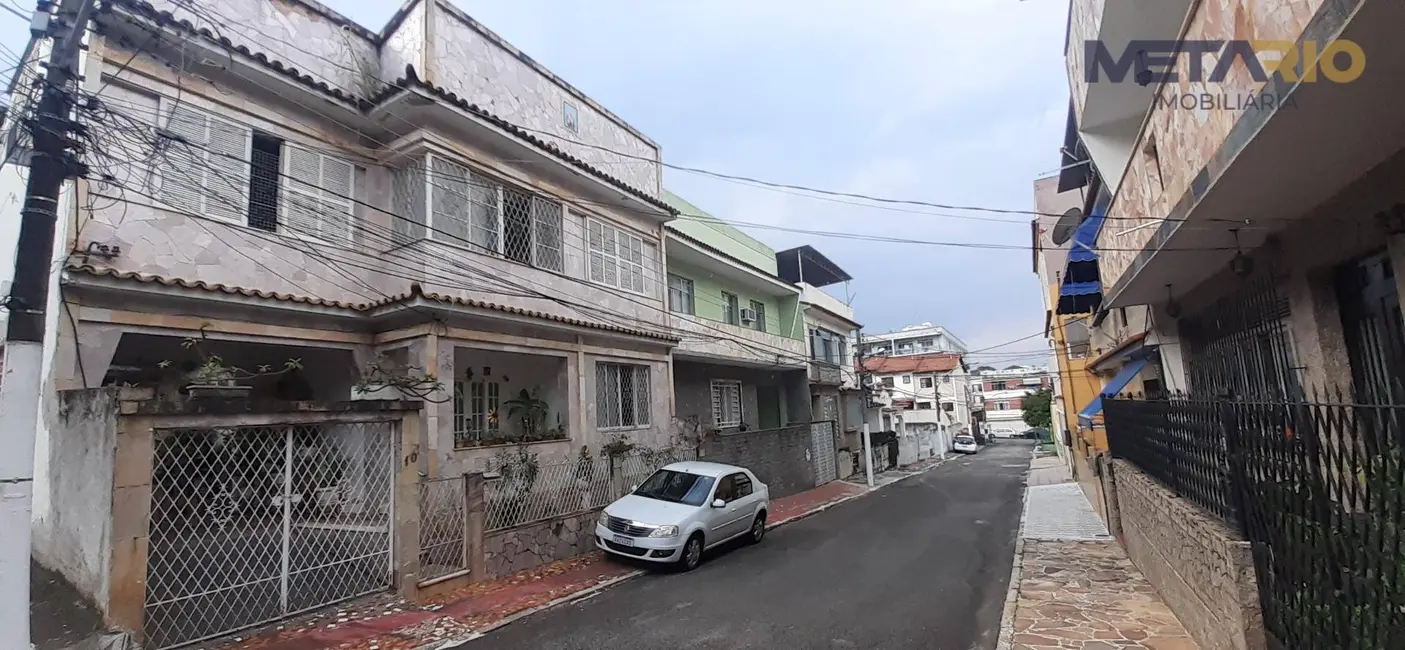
column 252, row 524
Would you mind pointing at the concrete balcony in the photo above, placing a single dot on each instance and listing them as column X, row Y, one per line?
column 714, row 342
column 825, row 373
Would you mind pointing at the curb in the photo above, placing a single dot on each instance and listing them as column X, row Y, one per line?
column 1012, row 594
column 512, row 618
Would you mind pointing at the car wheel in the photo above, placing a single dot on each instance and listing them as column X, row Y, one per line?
column 692, row 553
column 758, row 528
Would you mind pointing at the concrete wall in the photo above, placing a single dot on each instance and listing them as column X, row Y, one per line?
column 781, row 458
column 526, row 547
column 765, row 407
column 1202, row 569
column 476, row 64
column 708, row 305
column 74, row 537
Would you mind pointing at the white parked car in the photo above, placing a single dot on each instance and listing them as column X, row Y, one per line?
column 965, row 444
column 682, row 510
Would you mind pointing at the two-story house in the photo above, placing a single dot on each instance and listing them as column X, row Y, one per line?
column 287, row 205
column 829, row 327
column 741, row 363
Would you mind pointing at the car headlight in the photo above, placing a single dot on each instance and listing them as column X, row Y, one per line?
column 604, row 519
column 665, row 531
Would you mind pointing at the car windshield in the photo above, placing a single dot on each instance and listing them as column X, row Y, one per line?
column 676, row 487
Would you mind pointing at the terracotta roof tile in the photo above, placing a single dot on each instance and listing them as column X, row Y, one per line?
column 916, row 363
column 416, row 291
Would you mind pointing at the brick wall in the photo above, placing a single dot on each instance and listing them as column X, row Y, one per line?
column 1201, row 568
column 781, row 458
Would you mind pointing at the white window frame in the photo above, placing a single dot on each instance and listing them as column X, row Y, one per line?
column 477, row 402
column 690, row 295
column 596, row 257
column 201, row 152
column 720, row 403
column 316, row 192
column 928, row 382
column 1002, row 406
column 642, row 408
column 424, row 161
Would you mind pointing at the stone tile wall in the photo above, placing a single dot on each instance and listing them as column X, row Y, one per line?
column 781, row 458
column 518, row 549
column 1201, row 568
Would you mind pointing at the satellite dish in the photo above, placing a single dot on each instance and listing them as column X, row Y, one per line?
column 1063, row 230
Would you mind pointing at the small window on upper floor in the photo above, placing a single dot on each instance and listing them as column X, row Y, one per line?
column 1152, row 157
column 570, row 117
column 618, row 258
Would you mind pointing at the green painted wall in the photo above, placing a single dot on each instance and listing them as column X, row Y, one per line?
column 713, row 232
column 707, row 300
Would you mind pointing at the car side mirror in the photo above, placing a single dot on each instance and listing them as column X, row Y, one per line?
column 718, row 503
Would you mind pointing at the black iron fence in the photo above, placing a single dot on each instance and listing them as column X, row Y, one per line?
column 1318, row 487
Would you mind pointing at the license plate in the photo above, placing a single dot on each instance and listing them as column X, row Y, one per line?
column 623, row 541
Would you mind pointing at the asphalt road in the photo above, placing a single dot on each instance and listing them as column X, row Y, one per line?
column 923, row 563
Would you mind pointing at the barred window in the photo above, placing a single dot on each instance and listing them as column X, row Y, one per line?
column 621, row 395
column 616, row 257
column 210, row 175
column 726, row 403
column 460, row 205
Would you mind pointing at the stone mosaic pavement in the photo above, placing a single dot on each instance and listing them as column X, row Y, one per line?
column 1087, row 595
column 1061, row 512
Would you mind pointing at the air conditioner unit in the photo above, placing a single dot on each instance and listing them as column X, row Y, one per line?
column 748, row 315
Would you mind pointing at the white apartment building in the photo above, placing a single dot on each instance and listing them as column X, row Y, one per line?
column 924, row 338
column 1001, row 394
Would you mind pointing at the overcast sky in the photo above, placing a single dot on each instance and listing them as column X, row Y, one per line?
column 950, row 101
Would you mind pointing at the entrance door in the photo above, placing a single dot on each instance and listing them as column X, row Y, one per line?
column 1371, row 325
column 253, row 524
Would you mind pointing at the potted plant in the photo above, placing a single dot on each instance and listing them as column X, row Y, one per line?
column 214, row 378
column 530, row 411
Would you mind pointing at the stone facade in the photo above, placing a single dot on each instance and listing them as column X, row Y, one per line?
column 517, row 549
column 1202, row 569
column 1186, row 140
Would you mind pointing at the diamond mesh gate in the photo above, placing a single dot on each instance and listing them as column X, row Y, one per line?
column 252, row 524
column 822, row 441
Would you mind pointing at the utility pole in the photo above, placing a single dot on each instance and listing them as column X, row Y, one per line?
column 51, row 163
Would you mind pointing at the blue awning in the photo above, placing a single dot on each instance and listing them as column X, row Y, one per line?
column 1132, row 369
column 1081, row 291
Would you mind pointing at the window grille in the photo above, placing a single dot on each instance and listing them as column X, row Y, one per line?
column 616, row 257
column 621, row 395
column 726, row 403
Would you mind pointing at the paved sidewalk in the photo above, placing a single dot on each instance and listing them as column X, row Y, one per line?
column 1087, row 595
column 1061, row 512
column 389, row 623
column 1075, row 586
